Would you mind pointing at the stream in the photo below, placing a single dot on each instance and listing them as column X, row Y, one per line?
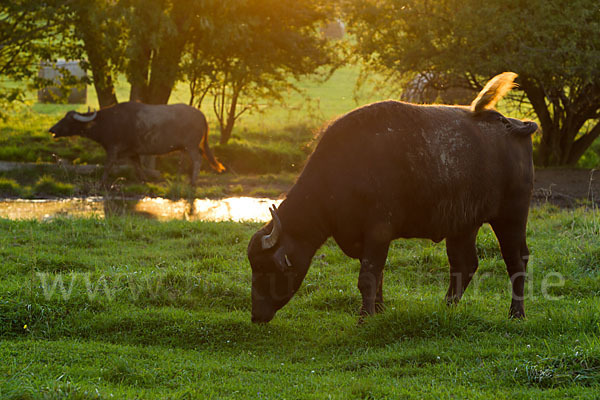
column 229, row 209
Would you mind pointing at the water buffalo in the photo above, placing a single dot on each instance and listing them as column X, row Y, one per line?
column 397, row 170
column 128, row 130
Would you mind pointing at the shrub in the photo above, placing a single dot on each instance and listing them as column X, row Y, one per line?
column 47, row 185
column 9, row 188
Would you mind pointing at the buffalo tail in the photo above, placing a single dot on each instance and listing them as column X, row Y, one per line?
column 207, row 153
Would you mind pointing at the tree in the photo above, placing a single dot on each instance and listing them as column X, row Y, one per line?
column 31, row 34
column 251, row 49
column 142, row 38
column 157, row 34
column 553, row 46
column 28, row 34
column 98, row 25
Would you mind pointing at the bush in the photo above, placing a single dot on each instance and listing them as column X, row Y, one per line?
column 9, row 188
column 47, row 185
column 261, row 158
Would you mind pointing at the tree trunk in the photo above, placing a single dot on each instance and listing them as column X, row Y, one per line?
column 549, row 150
column 559, row 147
column 152, row 73
column 559, row 144
column 582, row 144
column 101, row 73
column 137, row 74
column 165, row 67
column 226, row 133
column 103, row 83
column 231, row 117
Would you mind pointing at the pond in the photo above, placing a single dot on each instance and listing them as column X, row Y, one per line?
column 229, row 209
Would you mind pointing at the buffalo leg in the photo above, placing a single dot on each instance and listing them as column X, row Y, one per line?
column 511, row 236
column 462, row 255
column 379, row 295
column 111, row 158
column 181, row 166
column 370, row 278
column 196, row 158
column 137, row 163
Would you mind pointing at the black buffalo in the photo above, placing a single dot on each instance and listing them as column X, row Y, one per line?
column 397, row 170
column 128, row 130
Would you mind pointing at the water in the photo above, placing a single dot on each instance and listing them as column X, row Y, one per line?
column 229, row 209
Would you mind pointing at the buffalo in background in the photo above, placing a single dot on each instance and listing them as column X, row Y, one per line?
column 397, row 170
column 129, row 130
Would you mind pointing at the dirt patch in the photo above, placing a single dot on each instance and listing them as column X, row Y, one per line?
column 567, row 187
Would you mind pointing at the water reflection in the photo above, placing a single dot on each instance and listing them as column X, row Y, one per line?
column 229, row 209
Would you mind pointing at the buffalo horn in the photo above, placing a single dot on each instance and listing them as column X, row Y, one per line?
column 270, row 240
column 82, row 118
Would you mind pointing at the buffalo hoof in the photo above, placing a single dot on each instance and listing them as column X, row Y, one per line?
column 366, row 313
column 452, row 300
column 516, row 314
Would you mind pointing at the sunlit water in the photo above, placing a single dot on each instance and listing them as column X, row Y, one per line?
column 230, row 209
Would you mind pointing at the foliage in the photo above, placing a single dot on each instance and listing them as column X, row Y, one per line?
column 28, row 34
column 48, row 186
column 9, row 188
column 251, row 51
column 155, row 35
column 148, row 309
column 98, row 28
column 552, row 47
column 242, row 48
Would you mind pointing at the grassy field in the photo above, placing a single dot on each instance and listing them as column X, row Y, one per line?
column 135, row 308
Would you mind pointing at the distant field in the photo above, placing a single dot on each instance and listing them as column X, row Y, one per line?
column 134, row 308
column 317, row 101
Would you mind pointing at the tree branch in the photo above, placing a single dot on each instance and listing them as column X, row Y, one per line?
column 581, row 145
column 538, row 101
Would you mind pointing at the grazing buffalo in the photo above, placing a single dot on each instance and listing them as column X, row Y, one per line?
column 128, row 130
column 397, row 170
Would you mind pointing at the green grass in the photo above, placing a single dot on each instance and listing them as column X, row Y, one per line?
column 161, row 310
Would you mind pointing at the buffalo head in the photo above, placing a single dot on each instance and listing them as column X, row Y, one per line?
column 279, row 263
column 73, row 123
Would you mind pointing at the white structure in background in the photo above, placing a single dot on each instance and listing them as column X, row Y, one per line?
column 334, row 30
column 53, row 72
column 421, row 90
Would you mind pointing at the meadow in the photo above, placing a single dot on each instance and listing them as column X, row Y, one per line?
column 130, row 307
column 134, row 308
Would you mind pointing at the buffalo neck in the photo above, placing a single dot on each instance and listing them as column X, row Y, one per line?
column 94, row 132
column 302, row 216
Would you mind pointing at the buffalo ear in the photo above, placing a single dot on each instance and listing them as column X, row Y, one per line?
column 281, row 259
column 524, row 129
